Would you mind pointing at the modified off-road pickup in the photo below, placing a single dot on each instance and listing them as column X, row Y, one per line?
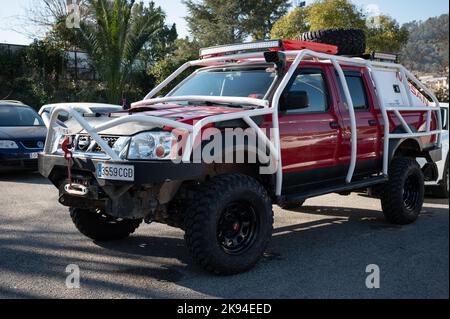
column 253, row 125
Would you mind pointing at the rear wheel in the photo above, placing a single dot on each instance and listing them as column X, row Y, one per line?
column 102, row 227
column 230, row 225
column 402, row 197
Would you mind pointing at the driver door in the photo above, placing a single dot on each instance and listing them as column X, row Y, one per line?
column 310, row 134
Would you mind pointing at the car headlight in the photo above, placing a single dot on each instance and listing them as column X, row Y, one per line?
column 152, row 146
column 8, row 145
column 121, row 147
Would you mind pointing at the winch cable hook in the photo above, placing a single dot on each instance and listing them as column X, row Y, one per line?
column 67, row 146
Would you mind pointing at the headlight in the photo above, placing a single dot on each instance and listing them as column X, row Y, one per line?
column 121, row 147
column 9, row 145
column 152, row 146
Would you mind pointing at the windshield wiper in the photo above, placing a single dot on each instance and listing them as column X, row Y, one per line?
column 209, row 103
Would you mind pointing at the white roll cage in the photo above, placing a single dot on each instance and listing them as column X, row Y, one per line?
column 264, row 107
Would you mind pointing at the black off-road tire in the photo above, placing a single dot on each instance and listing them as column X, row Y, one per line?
column 402, row 196
column 218, row 202
column 101, row 227
column 442, row 190
column 349, row 41
column 292, row 205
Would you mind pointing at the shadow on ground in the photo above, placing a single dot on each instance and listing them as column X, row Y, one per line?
column 23, row 177
column 310, row 259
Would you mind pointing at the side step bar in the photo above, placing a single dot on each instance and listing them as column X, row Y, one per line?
column 335, row 189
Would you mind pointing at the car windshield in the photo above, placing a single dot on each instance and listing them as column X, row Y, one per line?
column 237, row 82
column 19, row 116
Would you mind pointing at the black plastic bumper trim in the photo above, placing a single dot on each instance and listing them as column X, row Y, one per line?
column 148, row 172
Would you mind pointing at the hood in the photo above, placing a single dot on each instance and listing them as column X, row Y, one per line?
column 183, row 114
column 23, row 133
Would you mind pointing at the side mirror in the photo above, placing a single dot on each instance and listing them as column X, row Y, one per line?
column 295, row 100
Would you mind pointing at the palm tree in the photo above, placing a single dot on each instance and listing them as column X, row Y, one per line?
column 113, row 36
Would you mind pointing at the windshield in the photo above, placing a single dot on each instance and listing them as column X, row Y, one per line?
column 237, row 82
column 19, row 116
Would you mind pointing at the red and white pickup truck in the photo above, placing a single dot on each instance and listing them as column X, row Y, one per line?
column 326, row 122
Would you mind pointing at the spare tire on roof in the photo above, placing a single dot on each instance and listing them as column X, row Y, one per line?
column 349, row 41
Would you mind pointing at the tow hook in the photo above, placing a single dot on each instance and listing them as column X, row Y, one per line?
column 76, row 189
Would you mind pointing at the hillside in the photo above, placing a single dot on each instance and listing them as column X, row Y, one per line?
column 427, row 50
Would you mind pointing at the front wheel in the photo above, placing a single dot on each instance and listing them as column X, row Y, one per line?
column 230, row 225
column 402, row 197
column 102, row 227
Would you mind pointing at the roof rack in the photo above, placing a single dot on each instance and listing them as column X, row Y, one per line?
column 262, row 46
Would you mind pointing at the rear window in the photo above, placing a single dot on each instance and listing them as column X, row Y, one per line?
column 357, row 91
column 19, row 116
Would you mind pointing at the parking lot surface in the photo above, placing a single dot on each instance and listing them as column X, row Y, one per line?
column 320, row 250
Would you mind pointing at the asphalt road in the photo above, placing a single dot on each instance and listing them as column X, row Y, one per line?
column 318, row 251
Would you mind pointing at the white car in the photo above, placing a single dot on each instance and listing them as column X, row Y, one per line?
column 440, row 187
column 91, row 108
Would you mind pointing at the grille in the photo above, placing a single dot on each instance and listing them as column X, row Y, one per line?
column 33, row 144
column 83, row 143
column 110, row 140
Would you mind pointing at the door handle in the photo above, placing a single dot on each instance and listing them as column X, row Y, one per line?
column 373, row 122
column 334, row 125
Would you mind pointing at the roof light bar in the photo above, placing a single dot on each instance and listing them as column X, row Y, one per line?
column 271, row 45
column 222, row 49
column 382, row 56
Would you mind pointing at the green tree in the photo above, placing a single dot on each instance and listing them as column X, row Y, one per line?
column 325, row 14
column 186, row 50
column 261, row 15
column 215, row 22
column 115, row 36
column 427, row 49
column 291, row 25
column 383, row 33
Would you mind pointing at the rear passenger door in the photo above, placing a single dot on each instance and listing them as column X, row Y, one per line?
column 367, row 122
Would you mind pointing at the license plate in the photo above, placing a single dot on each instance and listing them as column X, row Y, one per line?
column 34, row 155
column 115, row 172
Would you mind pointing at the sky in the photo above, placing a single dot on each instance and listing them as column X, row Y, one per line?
column 12, row 14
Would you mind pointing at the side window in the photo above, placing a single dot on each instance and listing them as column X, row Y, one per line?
column 311, row 82
column 357, row 91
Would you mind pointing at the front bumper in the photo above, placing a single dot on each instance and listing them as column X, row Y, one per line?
column 146, row 172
